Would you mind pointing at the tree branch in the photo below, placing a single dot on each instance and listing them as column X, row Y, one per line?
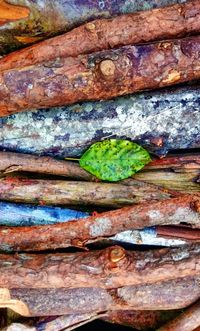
column 177, row 20
column 87, row 230
column 188, row 321
column 100, row 75
column 109, row 268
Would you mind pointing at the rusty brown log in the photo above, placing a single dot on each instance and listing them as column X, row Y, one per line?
column 179, row 163
column 60, row 192
column 141, row 320
column 109, row 268
column 156, row 24
column 175, row 294
column 87, row 230
column 16, row 162
column 100, row 75
column 185, row 233
column 19, row 162
column 188, row 321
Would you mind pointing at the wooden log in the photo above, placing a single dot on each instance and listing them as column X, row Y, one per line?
column 160, row 121
column 186, row 182
column 178, row 163
column 177, row 20
column 59, row 192
column 174, row 294
column 167, row 236
column 188, row 321
column 87, row 230
column 141, row 320
column 12, row 214
column 14, row 162
column 109, row 268
column 135, row 319
column 40, row 18
column 100, row 75
column 19, row 162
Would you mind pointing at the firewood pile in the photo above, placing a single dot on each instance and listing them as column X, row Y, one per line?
column 99, row 164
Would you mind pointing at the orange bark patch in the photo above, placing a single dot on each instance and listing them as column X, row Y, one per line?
column 10, row 12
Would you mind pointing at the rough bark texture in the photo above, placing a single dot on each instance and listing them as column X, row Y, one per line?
column 174, row 294
column 141, row 320
column 14, row 162
column 178, row 163
column 58, row 192
column 100, row 75
column 161, row 121
column 87, row 230
column 110, row 268
column 188, row 321
column 18, row 162
column 157, row 24
column 187, row 182
column 12, row 214
column 44, row 18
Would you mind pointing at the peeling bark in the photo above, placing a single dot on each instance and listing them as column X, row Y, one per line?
column 110, row 268
column 58, row 192
column 177, row 20
column 87, row 230
column 48, row 17
column 188, row 321
column 12, row 214
column 175, row 294
column 160, row 121
column 100, row 75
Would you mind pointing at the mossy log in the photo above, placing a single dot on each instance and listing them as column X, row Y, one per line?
column 160, row 121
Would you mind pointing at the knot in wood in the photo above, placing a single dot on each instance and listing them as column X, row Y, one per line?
column 117, row 254
column 90, row 27
column 107, row 68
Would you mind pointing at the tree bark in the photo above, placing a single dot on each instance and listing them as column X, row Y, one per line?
column 87, row 230
column 177, row 20
column 178, row 163
column 185, row 182
column 18, row 162
column 110, row 268
column 40, row 19
column 100, row 75
column 188, row 321
column 141, row 320
column 167, row 295
column 14, row 162
column 27, row 215
column 59, row 192
column 160, row 121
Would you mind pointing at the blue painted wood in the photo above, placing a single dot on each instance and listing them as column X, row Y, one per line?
column 12, row 214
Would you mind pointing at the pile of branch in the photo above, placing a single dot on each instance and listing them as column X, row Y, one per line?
column 52, row 204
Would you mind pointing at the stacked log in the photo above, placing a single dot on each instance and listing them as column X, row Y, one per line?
column 74, row 248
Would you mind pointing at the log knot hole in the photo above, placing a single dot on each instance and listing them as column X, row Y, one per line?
column 107, row 68
column 117, row 254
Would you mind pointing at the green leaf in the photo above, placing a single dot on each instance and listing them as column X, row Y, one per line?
column 114, row 160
